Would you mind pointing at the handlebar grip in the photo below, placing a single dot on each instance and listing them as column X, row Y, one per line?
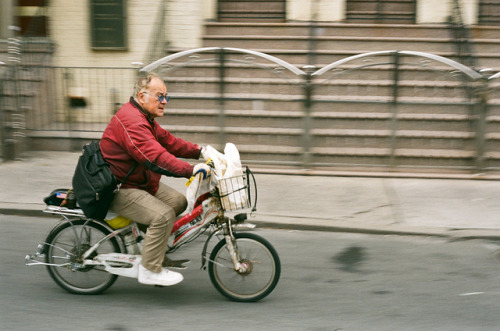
column 201, row 171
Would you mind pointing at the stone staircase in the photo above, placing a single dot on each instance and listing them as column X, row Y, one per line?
column 251, row 10
column 381, row 11
column 352, row 123
column 356, row 121
column 334, row 42
column 489, row 12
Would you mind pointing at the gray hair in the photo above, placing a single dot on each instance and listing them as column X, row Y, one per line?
column 143, row 83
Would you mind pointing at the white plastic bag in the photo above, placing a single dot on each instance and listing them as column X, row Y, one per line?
column 231, row 183
column 228, row 173
column 218, row 159
column 197, row 187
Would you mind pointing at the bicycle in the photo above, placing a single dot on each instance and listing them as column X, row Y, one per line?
column 85, row 256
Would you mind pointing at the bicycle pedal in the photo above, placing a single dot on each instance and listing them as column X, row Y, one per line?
column 175, row 264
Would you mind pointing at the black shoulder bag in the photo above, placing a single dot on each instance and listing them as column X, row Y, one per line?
column 94, row 184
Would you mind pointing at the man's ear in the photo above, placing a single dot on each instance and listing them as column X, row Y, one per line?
column 142, row 97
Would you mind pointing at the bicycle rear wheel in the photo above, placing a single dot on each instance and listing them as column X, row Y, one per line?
column 262, row 264
column 66, row 244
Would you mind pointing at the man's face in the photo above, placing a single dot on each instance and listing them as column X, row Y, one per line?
column 149, row 99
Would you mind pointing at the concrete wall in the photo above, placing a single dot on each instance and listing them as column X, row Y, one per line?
column 318, row 10
column 428, row 11
column 435, row 11
column 70, row 25
column 6, row 18
column 70, row 29
column 185, row 22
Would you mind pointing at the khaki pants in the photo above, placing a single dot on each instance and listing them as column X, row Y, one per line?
column 158, row 212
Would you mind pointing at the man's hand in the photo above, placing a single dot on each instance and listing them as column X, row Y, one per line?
column 203, row 168
column 204, row 154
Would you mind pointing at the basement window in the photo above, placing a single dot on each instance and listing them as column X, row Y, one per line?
column 108, row 21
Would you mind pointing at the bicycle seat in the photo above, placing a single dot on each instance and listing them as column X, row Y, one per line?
column 56, row 197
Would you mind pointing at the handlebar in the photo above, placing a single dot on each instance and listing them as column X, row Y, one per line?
column 249, row 185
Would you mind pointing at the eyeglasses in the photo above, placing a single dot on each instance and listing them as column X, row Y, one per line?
column 160, row 97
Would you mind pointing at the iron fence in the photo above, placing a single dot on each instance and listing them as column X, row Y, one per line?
column 374, row 109
column 461, row 36
column 408, row 97
column 77, row 98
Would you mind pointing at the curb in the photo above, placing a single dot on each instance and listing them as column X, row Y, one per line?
column 293, row 224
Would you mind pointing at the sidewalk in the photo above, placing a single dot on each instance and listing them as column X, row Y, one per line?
column 453, row 208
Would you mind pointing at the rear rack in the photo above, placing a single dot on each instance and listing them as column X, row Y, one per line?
column 56, row 210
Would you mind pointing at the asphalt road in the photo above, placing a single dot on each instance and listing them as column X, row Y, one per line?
column 329, row 281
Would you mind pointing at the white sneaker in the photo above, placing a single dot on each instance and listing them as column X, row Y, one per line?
column 163, row 278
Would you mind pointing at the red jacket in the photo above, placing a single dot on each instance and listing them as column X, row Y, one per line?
column 132, row 136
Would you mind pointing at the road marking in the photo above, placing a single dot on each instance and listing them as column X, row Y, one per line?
column 471, row 293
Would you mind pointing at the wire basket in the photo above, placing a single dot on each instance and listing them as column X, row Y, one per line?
column 235, row 192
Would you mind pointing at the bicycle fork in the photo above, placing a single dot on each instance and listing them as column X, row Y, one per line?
column 230, row 244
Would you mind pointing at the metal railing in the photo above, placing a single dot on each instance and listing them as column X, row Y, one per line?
column 461, row 36
column 228, row 82
column 78, row 98
column 157, row 39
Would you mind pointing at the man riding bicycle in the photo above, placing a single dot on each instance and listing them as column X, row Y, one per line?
column 134, row 137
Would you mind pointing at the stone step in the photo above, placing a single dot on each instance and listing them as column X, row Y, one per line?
column 326, row 104
column 338, row 156
column 437, row 128
column 386, row 11
column 235, row 118
column 252, row 11
column 486, row 46
column 349, row 45
column 492, row 123
column 241, row 102
column 333, row 29
column 484, row 32
column 11, row 89
column 256, row 68
column 252, row 99
column 479, row 34
column 334, row 87
column 448, row 140
column 330, row 137
column 323, row 120
column 414, row 158
column 237, row 85
column 406, row 72
column 494, row 139
column 322, row 58
column 379, row 157
column 239, row 135
column 418, row 106
column 369, row 44
column 422, row 89
column 485, row 39
column 379, row 121
column 299, row 57
column 431, row 159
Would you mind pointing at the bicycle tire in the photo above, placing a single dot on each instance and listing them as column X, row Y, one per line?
column 62, row 245
column 263, row 271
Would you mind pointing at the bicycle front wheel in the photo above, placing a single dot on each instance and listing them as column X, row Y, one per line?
column 262, row 268
column 66, row 244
